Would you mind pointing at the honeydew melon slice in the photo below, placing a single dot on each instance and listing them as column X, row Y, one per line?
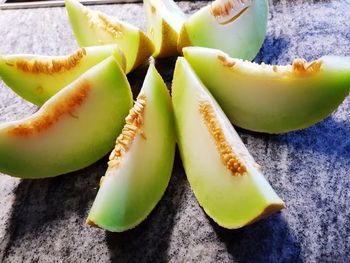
column 224, row 177
column 95, row 28
column 272, row 99
column 140, row 165
column 37, row 78
column 72, row 130
column 164, row 22
column 237, row 27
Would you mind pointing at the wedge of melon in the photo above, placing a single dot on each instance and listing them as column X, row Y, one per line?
column 237, row 27
column 140, row 165
column 164, row 22
column 95, row 28
column 72, row 130
column 37, row 78
column 223, row 175
column 272, row 99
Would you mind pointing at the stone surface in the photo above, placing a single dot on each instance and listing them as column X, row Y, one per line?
column 43, row 220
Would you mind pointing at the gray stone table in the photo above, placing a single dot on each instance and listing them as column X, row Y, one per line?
column 43, row 220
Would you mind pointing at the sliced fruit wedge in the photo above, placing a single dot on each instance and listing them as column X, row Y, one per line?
column 164, row 22
column 37, row 78
column 237, row 27
column 223, row 175
column 95, row 28
column 140, row 166
column 72, row 130
column 272, row 99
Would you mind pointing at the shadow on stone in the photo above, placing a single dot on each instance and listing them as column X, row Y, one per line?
column 39, row 203
column 268, row 240
column 272, row 49
column 149, row 241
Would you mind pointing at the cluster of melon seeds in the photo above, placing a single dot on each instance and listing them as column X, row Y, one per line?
column 226, row 11
column 302, row 67
column 50, row 66
column 134, row 123
column 228, row 158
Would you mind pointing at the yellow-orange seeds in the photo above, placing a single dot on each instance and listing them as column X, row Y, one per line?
column 134, row 123
column 51, row 66
column 226, row 61
column 66, row 107
column 228, row 158
column 229, row 9
column 302, row 67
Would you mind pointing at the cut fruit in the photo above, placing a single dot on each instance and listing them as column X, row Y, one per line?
column 223, row 175
column 37, row 78
column 140, row 165
column 272, row 99
column 237, row 27
column 72, row 130
column 164, row 22
column 95, row 28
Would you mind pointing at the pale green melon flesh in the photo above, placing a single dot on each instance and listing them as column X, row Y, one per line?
column 39, row 83
column 95, row 28
column 130, row 191
column 164, row 22
column 260, row 99
column 230, row 200
column 241, row 38
column 72, row 130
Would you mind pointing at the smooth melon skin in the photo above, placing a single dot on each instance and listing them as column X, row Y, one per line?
column 241, row 38
column 130, row 190
column 231, row 200
column 37, row 78
column 164, row 22
column 72, row 130
column 272, row 99
column 95, row 28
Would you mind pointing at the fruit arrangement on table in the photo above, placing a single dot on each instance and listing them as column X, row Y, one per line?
column 87, row 109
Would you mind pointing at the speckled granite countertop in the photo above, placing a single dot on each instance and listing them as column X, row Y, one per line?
column 43, row 220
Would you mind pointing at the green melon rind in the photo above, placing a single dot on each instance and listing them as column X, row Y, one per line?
column 130, row 192
column 231, row 201
column 136, row 46
column 273, row 103
column 77, row 139
column 241, row 38
column 37, row 87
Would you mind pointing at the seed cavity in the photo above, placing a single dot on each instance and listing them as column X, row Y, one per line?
column 226, row 11
column 98, row 20
column 133, row 126
column 64, row 107
column 304, row 68
column 228, row 158
column 51, row 66
column 226, row 61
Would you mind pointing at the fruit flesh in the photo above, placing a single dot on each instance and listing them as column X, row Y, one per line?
column 164, row 22
column 230, row 187
column 37, row 78
column 140, row 165
column 95, row 28
column 272, row 99
column 72, row 130
column 233, row 26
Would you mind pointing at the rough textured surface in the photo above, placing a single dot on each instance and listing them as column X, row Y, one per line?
column 44, row 220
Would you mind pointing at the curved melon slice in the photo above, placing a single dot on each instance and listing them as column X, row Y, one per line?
column 72, row 130
column 164, row 22
column 140, row 165
column 237, row 27
column 272, row 99
column 223, row 175
column 95, row 28
column 37, row 78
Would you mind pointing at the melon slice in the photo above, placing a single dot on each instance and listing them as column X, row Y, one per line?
column 224, row 177
column 37, row 78
column 140, row 165
column 272, row 99
column 164, row 22
column 237, row 27
column 72, row 130
column 95, row 28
